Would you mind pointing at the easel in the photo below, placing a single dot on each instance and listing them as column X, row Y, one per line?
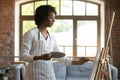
column 101, row 69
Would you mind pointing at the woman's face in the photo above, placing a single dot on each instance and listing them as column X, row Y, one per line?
column 50, row 20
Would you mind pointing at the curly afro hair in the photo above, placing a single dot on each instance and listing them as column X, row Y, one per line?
column 42, row 13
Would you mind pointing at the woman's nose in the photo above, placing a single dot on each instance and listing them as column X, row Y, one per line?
column 53, row 20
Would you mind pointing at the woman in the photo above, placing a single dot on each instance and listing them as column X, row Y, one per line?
column 38, row 43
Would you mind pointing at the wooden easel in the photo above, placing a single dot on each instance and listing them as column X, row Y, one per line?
column 101, row 69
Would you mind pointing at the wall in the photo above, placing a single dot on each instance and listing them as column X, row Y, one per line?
column 114, row 5
column 6, row 32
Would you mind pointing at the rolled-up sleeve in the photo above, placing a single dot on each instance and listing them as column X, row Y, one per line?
column 26, row 47
column 65, row 60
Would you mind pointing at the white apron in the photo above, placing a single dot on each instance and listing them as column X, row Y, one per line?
column 40, row 69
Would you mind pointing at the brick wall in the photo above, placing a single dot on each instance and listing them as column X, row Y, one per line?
column 6, row 32
column 114, row 5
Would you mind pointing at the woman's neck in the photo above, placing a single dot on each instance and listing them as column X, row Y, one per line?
column 42, row 28
column 43, row 31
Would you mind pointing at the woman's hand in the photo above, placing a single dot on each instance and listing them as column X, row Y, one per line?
column 81, row 60
column 43, row 57
column 46, row 56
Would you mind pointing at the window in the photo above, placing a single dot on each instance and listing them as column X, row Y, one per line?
column 86, row 38
column 77, row 26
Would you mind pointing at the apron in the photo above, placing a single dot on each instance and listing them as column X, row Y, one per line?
column 40, row 69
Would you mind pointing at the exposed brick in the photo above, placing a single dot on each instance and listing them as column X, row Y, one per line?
column 6, row 28
column 115, row 6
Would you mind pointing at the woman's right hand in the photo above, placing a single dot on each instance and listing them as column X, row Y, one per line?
column 43, row 57
column 46, row 56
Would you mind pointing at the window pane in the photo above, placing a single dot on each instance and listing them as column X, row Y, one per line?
column 27, row 25
column 79, row 8
column 86, row 35
column 63, row 32
column 86, row 51
column 16, row 59
column 54, row 3
column 68, row 51
column 66, row 7
column 38, row 3
column 91, row 51
column 27, row 9
column 81, row 51
column 92, row 9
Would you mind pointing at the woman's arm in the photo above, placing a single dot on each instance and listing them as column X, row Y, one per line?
column 81, row 60
column 26, row 47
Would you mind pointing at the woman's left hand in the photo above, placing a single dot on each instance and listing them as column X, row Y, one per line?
column 81, row 60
